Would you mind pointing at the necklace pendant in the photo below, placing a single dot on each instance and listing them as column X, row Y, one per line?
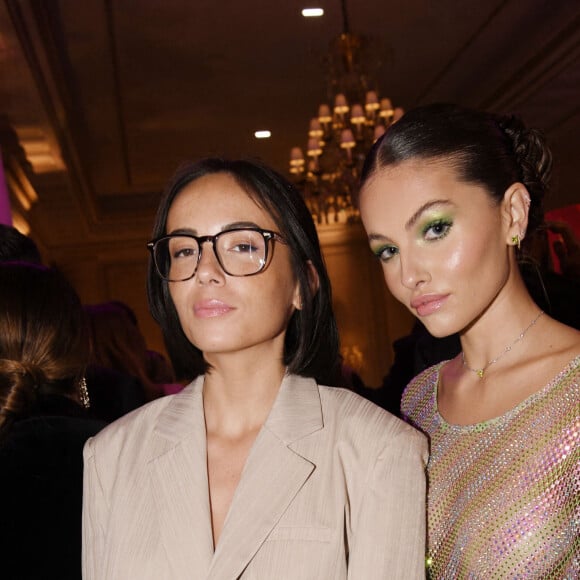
column 480, row 373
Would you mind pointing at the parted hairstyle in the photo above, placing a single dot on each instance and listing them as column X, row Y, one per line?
column 311, row 342
column 44, row 344
column 493, row 151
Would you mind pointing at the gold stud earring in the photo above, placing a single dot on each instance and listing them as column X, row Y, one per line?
column 516, row 241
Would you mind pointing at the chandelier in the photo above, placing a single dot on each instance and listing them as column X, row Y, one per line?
column 340, row 137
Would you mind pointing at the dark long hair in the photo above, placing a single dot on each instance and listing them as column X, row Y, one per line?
column 490, row 150
column 44, row 344
column 311, row 343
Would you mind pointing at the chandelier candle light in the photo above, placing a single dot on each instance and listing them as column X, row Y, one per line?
column 339, row 138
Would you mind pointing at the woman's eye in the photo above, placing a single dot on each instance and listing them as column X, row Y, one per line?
column 246, row 248
column 385, row 253
column 437, row 230
column 183, row 253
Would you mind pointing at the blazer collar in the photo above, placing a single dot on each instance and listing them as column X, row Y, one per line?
column 271, row 479
column 183, row 415
column 297, row 410
column 295, row 414
column 179, row 483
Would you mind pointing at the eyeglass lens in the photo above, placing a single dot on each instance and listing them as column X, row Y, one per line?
column 239, row 252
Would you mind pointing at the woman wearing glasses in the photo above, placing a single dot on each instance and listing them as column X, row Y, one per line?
column 253, row 471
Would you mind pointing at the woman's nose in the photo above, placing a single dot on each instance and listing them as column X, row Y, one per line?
column 414, row 270
column 208, row 268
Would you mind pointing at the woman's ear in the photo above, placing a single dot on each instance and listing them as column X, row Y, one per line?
column 313, row 281
column 515, row 210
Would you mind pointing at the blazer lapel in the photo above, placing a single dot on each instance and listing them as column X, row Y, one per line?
column 272, row 477
column 180, row 484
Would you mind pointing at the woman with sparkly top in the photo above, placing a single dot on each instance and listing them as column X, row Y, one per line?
column 447, row 197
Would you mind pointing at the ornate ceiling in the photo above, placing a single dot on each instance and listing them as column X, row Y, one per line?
column 100, row 100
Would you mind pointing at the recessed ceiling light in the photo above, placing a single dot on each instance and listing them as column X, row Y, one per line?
column 262, row 134
column 312, row 12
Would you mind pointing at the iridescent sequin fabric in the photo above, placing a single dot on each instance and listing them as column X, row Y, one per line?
column 504, row 495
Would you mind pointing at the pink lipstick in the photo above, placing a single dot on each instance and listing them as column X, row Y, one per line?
column 429, row 303
column 211, row 308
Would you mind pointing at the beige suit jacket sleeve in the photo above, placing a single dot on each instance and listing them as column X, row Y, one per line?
column 393, row 514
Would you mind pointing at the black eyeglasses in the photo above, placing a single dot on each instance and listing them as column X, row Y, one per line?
column 240, row 252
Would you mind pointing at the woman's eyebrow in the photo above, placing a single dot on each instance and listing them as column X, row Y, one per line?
column 183, row 231
column 377, row 237
column 240, row 225
column 230, row 226
column 413, row 219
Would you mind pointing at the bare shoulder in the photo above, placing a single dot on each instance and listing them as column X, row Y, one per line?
column 561, row 343
column 554, row 350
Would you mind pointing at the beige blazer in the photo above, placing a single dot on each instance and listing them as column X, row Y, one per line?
column 333, row 488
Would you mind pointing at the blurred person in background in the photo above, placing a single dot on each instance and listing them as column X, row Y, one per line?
column 113, row 393
column 118, row 343
column 44, row 349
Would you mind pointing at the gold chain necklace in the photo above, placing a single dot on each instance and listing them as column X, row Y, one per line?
column 480, row 372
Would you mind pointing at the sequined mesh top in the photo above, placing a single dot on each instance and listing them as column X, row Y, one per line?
column 504, row 495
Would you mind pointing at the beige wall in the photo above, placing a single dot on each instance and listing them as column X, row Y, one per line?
column 369, row 318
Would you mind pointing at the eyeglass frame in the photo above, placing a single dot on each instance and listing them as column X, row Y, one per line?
column 268, row 236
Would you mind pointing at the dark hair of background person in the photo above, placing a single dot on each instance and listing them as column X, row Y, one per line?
column 44, row 349
column 16, row 247
column 112, row 393
column 117, row 343
column 311, row 343
column 44, row 345
column 485, row 149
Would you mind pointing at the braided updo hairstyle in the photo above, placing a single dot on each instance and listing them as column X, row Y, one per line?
column 485, row 149
column 44, row 343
